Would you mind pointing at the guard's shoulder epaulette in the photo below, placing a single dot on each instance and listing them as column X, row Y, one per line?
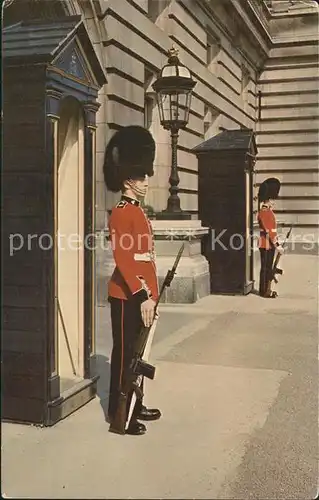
column 121, row 204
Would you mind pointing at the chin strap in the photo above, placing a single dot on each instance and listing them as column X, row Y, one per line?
column 132, row 184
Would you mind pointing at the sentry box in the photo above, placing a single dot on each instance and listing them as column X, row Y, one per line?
column 225, row 205
column 51, row 82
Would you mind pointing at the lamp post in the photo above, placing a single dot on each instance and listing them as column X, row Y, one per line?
column 174, row 92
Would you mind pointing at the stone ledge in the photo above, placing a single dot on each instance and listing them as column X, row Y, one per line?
column 186, row 290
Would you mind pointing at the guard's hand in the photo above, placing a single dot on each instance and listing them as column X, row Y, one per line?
column 147, row 312
column 280, row 249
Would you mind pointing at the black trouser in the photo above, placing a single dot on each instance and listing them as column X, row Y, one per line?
column 266, row 264
column 126, row 323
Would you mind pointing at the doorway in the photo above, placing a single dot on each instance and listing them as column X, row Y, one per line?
column 70, row 244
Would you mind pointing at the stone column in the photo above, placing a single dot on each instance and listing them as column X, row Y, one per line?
column 192, row 280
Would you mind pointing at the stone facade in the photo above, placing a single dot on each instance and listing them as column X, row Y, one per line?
column 287, row 128
column 256, row 66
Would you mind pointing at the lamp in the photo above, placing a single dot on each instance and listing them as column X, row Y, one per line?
column 174, row 92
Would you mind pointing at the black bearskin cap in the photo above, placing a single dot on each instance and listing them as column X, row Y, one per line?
column 129, row 155
column 269, row 189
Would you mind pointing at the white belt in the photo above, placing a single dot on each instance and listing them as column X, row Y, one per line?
column 144, row 257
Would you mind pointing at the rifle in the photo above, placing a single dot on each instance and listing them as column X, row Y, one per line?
column 138, row 366
column 275, row 268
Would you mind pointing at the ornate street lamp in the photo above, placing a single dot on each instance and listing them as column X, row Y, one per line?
column 174, row 92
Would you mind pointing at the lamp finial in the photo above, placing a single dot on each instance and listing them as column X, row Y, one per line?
column 172, row 54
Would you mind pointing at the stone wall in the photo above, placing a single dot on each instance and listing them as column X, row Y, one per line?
column 287, row 132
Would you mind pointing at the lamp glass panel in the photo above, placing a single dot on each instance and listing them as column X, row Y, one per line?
column 183, row 71
column 188, row 98
column 169, row 71
column 183, row 104
column 174, row 111
column 165, row 108
column 174, row 106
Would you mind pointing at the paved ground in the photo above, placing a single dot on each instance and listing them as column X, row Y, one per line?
column 237, row 381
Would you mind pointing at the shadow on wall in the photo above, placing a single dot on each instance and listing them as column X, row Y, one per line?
column 104, row 370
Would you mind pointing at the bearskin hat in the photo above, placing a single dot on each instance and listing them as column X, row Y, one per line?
column 269, row 189
column 129, row 154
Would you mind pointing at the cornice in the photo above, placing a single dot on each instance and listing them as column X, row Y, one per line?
column 291, row 8
column 257, row 22
column 207, row 6
column 71, row 7
column 255, row 25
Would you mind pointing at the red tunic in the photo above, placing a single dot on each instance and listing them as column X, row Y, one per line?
column 268, row 228
column 133, row 250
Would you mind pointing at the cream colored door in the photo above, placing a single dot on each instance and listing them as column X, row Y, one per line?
column 70, row 261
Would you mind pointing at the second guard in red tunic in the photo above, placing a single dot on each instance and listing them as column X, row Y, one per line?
column 268, row 240
column 133, row 287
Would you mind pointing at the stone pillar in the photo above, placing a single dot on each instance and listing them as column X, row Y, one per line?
column 191, row 281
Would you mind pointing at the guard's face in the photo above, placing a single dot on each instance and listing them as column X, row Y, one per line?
column 141, row 185
column 138, row 186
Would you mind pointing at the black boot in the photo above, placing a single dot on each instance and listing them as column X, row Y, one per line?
column 148, row 413
column 136, row 428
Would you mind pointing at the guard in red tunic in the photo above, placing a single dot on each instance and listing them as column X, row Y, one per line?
column 133, row 287
column 268, row 241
